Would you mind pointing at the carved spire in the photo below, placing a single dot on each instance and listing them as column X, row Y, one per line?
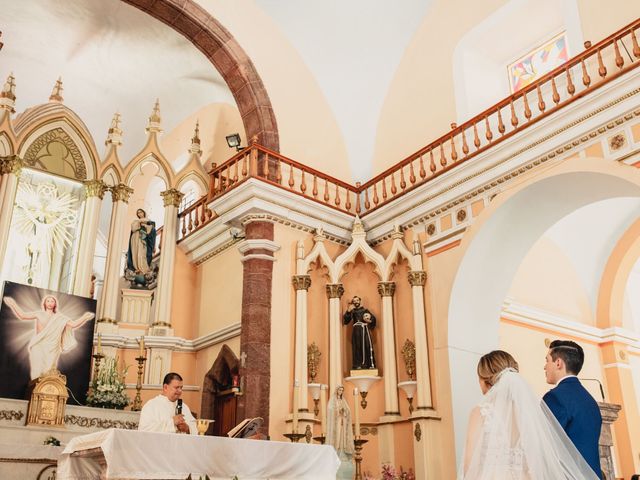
column 155, row 119
column 56, row 94
column 8, row 94
column 358, row 228
column 114, row 134
column 195, row 148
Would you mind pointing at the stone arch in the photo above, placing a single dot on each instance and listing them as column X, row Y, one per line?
column 220, row 377
column 615, row 276
column 226, row 55
column 486, row 267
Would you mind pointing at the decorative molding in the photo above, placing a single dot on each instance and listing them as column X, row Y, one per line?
column 56, row 134
column 386, row 289
column 121, row 193
column 11, row 164
column 417, row 278
column 417, row 432
column 95, row 422
column 107, row 320
column 334, row 290
column 172, row 197
column 257, row 244
column 542, row 319
column 301, row 282
column 11, row 415
column 95, row 188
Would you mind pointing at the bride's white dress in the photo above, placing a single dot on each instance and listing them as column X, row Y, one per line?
column 513, row 435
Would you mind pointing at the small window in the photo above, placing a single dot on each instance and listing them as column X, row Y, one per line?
column 538, row 62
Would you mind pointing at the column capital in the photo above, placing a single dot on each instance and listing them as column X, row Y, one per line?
column 95, row 188
column 121, row 193
column 386, row 289
column 172, row 197
column 417, row 278
column 334, row 290
column 107, row 320
column 301, row 282
column 11, row 164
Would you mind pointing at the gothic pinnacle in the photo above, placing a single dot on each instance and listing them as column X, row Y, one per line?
column 8, row 94
column 114, row 134
column 154, row 120
column 56, row 94
column 195, row 141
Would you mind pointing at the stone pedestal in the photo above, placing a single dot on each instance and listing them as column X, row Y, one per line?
column 136, row 306
column 609, row 413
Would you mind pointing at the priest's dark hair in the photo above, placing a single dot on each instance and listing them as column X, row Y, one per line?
column 571, row 354
column 171, row 376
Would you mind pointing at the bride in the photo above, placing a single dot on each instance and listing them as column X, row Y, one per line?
column 512, row 434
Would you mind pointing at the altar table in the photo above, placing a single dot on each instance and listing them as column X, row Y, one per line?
column 130, row 454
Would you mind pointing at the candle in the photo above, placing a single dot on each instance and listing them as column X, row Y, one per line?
column 142, row 346
column 99, row 351
column 296, row 387
column 323, row 409
column 357, row 412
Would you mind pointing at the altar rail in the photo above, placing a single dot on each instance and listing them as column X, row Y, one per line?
column 596, row 66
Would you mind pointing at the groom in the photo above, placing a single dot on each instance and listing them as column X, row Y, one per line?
column 576, row 410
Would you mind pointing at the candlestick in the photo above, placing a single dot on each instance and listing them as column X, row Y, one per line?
column 357, row 413
column 137, row 401
column 99, row 349
column 358, row 443
column 296, row 387
column 142, row 352
column 323, row 409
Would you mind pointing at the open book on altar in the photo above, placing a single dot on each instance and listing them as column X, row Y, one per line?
column 246, row 428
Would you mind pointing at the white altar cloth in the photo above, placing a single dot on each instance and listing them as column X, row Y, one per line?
column 131, row 454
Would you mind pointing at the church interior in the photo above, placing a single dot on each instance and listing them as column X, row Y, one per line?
column 217, row 182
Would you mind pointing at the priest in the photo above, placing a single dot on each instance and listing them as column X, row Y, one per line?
column 166, row 412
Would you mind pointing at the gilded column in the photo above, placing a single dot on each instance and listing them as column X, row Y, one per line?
column 417, row 280
column 386, row 291
column 94, row 193
column 107, row 310
column 171, row 199
column 301, row 283
column 10, row 168
column 335, row 292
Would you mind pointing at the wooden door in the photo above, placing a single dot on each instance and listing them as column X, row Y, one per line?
column 224, row 414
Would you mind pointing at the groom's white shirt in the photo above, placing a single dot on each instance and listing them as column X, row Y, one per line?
column 563, row 378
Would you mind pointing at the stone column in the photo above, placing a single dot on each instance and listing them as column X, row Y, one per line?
column 162, row 315
column 609, row 413
column 335, row 292
column 417, row 280
column 10, row 169
column 301, row 283
column 255, row 337
column 94, row 191
column 107, row 310
column 386, row 291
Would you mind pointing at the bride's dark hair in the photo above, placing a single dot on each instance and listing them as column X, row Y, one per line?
column 491, row 364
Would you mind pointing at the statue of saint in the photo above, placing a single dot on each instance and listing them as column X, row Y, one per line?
column 53, row 333
column 361, row 344
column 339, row 429
column 141, row 243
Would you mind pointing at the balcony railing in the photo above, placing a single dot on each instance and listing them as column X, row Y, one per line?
column 596, row 66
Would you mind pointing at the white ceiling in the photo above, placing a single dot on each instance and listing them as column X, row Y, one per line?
column 112, row 57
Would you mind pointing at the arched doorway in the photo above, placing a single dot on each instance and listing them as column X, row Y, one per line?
column 224, row 52
column 494, row 248
column 219, row 392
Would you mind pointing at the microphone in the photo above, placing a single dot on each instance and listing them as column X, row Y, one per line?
column 599, row 384
column 179, row 407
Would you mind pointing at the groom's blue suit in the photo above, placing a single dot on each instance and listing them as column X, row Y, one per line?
column 579, row 415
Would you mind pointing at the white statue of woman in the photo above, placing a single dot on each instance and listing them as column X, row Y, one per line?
column 53, row 333
column 339, row 429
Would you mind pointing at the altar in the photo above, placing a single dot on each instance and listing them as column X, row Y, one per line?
column 131, row 454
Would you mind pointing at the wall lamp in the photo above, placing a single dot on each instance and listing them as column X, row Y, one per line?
column 234, row 141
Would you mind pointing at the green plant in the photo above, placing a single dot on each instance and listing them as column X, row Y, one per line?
column 107, row 389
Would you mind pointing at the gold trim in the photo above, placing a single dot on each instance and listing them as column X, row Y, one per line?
column 89, row 422
column 172, row 197
column 386, row 289
column 121, row 193
column 301, row 282
column 417, row 278
column 334, row 290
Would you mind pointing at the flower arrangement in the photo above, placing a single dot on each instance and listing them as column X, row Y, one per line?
column 107, row 389
column 390, row 473
column 50, row 440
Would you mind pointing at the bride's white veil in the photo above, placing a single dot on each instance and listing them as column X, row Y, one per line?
column 513, row 435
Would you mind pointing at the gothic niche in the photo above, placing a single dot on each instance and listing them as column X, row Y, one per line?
column 219, row 391
column 55, row 152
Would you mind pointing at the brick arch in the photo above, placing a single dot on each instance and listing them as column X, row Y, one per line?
column 226, row 55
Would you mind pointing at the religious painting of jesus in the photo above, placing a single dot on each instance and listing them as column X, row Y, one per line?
column 40, row 330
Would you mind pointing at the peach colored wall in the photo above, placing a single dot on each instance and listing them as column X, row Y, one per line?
column 184, row 307
column 527, row 346
column 600, row 19
column 547, row 280
column 220, row 291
